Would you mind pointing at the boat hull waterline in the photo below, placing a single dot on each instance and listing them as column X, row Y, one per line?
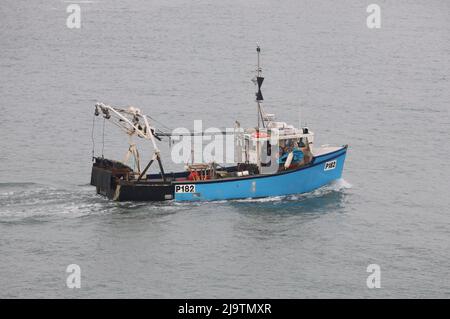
column 322, row 170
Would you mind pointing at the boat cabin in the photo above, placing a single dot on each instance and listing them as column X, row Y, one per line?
column 277, row 145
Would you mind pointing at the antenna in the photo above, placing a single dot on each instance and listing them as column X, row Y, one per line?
column 259, row 82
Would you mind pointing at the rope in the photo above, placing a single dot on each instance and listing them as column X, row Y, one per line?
column 103, row 137
column 92, row 136
column 160, row 123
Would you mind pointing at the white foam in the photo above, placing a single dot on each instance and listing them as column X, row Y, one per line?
column 261, row 200
column 340, row 184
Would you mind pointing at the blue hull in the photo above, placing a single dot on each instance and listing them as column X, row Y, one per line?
column 320, row 172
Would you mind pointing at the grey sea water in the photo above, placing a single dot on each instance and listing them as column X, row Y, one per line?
column 385, row 92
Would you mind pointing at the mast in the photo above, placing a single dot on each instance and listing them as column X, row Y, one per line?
column 259, row 81
column 259, row 99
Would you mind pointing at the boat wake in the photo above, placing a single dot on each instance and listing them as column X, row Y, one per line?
column 336, row 186
column 37, row 202
column 339, row 185
column 30, row 200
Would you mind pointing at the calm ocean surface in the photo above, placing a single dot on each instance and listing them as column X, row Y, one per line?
column 385, row 92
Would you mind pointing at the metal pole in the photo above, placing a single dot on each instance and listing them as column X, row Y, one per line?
column 258, row 148
column 258, row 70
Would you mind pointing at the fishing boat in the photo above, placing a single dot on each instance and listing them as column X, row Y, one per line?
column 271, row 159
